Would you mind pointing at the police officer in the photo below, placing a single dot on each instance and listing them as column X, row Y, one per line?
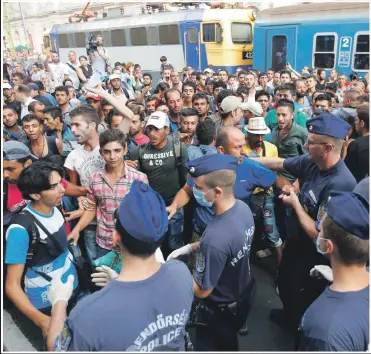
column 222, row 276
column 320, row 172
column 339, row 319
column 146, row 307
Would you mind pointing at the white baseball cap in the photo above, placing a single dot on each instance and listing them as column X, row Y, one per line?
column 229, row 104
column 114, row 76
column 158, row 119
column 6, row 86
column 254, row 107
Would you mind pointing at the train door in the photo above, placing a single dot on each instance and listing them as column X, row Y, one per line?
column 281, row 48
column 192, row 46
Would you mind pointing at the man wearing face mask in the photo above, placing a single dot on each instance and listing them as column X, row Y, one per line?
column 222, row 275
column 339, row 319
column 320, row 172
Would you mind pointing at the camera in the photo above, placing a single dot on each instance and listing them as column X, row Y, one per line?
column 92, row 44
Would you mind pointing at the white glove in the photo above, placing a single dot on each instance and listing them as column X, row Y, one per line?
column 105, row 275
column 180, row 252
column 159, row 256
column 322, row 271
column 59, row 291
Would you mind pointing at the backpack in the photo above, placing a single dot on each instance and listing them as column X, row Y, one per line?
column 178, row 158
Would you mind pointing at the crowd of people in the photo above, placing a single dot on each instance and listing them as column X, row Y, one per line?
column 164, row 189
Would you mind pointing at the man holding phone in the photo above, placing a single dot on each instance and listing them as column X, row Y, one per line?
column 99, row 57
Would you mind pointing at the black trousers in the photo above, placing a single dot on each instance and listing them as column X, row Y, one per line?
column 222, row 324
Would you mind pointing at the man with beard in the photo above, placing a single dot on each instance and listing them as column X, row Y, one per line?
column 9, row 99
column 276, row 81
column 320, row 172
column 302, row 100
column 72, row 66
column 137, row 126
column 147, row 89
column 117, row 90
column 11, row 130
column 174, row 101
column 200, row 102
column 63, row 100
column 250, row 81
column 188, row 125
column 189, row 89
column 164, row 168
column 58, row 70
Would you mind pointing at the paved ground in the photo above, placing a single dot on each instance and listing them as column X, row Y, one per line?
column 263, row 335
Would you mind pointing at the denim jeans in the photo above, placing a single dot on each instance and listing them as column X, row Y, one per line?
column 270, row 226
column 90, row 238
column 175, row 230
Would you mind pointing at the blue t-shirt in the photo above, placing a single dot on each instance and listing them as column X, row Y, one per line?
column 51, row 99
column 337, row 321
column 147, row 315
column 17, row 245
column 316, row 185
column 250, row 175
column 222, row 260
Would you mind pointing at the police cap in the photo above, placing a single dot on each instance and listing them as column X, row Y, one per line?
column 211, row 163
column 328, row 124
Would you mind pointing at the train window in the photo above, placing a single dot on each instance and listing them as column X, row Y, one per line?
column 107, row 38
column 80, row 40
column 208, row 32
column 169, row 34
column 152, row 33
column 361, row 55
column 138, row 36
column 324, row 51
column 241, row 33
column 63, row 41
column 118, row 38
column 192, row 35
column 212, row 32
column 279, row 52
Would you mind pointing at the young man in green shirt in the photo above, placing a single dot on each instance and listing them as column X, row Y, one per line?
column 288, row 92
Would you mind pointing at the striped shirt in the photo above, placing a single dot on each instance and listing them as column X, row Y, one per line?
column 108, row 198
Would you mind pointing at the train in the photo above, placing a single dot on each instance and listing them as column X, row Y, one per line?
column 319, row 35
column 196, row 37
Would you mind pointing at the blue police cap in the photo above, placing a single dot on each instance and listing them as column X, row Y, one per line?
column 328, row 124
column 351, row 212
column 142, row 213
column 210, row 163
column 363, row 188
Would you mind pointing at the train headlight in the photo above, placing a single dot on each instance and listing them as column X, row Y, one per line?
column 254, row 14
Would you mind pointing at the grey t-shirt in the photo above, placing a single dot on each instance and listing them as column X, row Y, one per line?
column 148, row 315
column 160, row 166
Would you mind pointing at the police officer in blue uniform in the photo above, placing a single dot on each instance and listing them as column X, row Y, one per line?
column 222, row 276
column 339, row 319
column 319, row 172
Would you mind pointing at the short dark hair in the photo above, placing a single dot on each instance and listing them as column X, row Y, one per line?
column 33, row 104
column 351, row 249
column 320, row 70
column 200, row 96
column 9, row 106
column 65, row 80
column 189, row 84
column 137, row 66
column 131, row 100
column 105, row 103
column 89, row 114
column 222, row 95
column 188, row 112
column 286, row 103
column 324, row 97
column 83, row 57
column 40, row 84
column 29, row 117
column 162, row 86
column 363, row 113
column 289, row 87
column 151, row 98
column 62, row 88
column 139, row 112
column 243, row 89
column 54, row 112
column 36, row 178
column 262, row 74
column 111, row 135
column 285, row 72
column 147, row 74
column 170, row 91
column 242, row 72
column 113, row 112
column 225, row 70
column 262, row 93
column 218, row 84
column 19, row 75
column 54, row 52
column 365, row 98
column 276, row 89
column 333, row 86
column 206, row 132
column 134, row 246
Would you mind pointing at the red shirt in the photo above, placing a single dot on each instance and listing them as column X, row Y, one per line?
column 144, row 139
